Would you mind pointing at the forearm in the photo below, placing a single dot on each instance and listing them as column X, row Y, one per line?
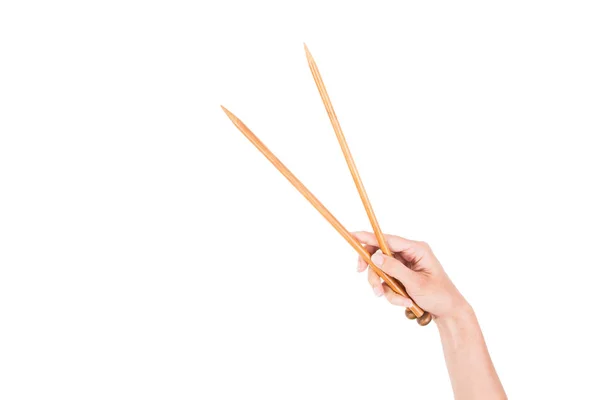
column 469, row 364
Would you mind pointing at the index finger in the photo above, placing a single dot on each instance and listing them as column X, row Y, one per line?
column 397, row 244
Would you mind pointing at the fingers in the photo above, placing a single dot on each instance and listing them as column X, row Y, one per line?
column 410, row 249
column 395, row 268
column 375, row 282
column 362, row 264
column 373, row 278
column 395, row 298
column 396, row 243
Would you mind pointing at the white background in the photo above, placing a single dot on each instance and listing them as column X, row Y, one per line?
column 147, row 250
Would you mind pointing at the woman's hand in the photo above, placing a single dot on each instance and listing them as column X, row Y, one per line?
column 469, row 364
column 415, row 265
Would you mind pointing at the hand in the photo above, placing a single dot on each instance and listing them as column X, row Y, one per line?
column 415, row 265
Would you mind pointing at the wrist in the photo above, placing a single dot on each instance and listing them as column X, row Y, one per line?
column 461, row 314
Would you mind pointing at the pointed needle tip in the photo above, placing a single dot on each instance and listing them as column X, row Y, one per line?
column 307, row 51
column 226, row 110
column 229, row 114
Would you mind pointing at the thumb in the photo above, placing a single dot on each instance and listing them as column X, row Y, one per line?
column 395, row 268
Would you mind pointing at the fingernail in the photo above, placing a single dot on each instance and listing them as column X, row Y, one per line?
column 409, row 304
column 378, row 290
column 377, row 259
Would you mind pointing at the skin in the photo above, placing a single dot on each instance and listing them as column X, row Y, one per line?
column 468, row 361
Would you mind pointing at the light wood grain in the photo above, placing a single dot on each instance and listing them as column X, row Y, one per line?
column 414, row 311
column 392, row 283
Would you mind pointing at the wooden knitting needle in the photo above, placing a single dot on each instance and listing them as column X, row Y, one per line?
column 391, row 282
column 424, row 317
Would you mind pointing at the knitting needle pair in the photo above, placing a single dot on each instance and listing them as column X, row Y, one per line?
column 423, row 317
